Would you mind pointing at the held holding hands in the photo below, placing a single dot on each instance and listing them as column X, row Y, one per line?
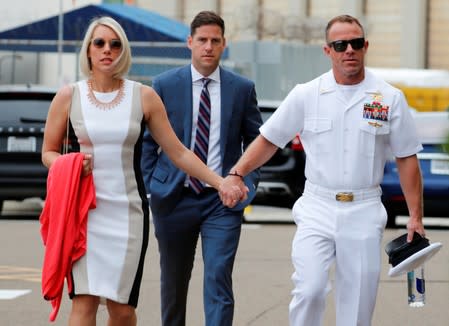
column 87, row 164
column 233, row 190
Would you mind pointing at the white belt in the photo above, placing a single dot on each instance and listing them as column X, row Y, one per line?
column 345, row 195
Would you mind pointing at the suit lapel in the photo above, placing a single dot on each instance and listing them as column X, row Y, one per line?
column 184, row 92
column 226, row 95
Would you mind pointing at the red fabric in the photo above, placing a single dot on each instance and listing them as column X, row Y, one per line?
column 64, row 224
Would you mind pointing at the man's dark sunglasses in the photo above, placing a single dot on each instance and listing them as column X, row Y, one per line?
column 342, row 45
column 114, row 44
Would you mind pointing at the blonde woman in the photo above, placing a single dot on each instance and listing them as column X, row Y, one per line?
column 109, row 114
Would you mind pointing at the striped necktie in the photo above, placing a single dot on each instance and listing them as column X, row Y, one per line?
column 202, row 133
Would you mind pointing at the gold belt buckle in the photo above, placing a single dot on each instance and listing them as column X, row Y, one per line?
column 344, row 196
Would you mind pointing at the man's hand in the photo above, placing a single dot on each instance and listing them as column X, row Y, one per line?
column 232, row 190
column 415, row 225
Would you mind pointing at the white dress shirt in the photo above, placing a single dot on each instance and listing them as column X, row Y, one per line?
column 214, row 156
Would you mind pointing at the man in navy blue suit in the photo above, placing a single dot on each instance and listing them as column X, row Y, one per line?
column 181, row 213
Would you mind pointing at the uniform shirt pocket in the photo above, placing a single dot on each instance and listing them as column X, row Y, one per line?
column 317, row 135
column 373, row 136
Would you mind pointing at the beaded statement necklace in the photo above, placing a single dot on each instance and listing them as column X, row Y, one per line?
column 105, row 105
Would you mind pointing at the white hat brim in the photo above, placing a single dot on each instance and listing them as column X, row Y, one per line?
column 415, row 260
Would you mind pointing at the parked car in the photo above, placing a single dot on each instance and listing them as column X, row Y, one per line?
column 433, row 129
column 23, row 111
column 282, row 177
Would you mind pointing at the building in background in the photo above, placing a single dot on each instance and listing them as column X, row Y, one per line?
column 404, row 33
column 277, row 43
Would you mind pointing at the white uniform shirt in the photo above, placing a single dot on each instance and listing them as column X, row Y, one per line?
column 346, row 143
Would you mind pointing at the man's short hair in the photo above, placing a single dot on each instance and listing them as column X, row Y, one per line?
column 343, row 19
column 206, row 18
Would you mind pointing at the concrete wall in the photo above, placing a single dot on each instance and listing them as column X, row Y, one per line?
column 438, row 42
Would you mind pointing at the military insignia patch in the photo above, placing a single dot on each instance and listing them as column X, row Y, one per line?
column 376, row 110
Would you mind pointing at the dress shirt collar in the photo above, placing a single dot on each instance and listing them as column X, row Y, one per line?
column 196, row 76
column 328, row 83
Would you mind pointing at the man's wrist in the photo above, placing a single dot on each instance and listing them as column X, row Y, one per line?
column 235, row 174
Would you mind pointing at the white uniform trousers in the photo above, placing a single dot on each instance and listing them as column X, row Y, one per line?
column 348, row 234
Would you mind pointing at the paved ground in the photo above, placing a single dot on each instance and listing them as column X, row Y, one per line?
column 261, row 280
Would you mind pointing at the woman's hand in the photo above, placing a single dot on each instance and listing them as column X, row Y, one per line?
column 232, row 190
column 87, row 164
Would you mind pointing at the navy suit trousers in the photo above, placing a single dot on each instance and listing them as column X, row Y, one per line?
column 177, row 235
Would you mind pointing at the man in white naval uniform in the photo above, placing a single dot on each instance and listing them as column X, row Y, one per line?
column 340, row 217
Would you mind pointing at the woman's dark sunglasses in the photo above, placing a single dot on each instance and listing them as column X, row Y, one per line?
column 342, row 45
column 114, row 44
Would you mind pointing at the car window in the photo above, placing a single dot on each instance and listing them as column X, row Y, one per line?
column 23, row 111
column 266, row 112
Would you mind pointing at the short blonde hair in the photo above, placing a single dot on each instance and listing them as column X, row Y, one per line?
column 123, row 61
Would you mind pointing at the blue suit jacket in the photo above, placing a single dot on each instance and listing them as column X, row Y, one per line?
column 240, row 122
